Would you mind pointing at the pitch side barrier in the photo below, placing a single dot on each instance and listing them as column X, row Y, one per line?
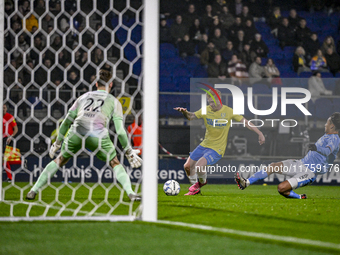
column 169, row 168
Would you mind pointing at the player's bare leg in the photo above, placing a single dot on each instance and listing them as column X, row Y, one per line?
column 201, row 171
column 48, row 171
column 189, row 168
column 124, row 179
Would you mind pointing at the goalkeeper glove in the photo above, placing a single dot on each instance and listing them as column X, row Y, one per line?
column 312, row 147
column 54, row 148
column 133, row 158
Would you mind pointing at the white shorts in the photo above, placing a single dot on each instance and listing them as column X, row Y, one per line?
column 301, row 175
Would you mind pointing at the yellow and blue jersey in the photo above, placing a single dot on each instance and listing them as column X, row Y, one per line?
column 217, row 127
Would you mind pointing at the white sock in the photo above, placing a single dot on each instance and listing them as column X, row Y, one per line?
column 193, row 179
column 202, row 177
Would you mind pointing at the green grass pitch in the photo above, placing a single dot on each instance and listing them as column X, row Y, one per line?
column 256, row 209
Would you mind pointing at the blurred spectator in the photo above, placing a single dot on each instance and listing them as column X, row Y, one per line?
column 333, row 61
column 40, row 7
column 207, row 18
column 294, row 19
column 27, row 72
column 57, row 43
column 235, row 7
column 235, row 28
column 190, row 16
column 275, row 20
column 73, row 77
column 219, row 40
column 164, row 34
column 216, row 24
column 24, row 8
column 256, row 71
column 31, row 22
column 319, row 63
column 286, row 34
column 226, row 18
column 9, row 7
column 38, row 47
column 186, row 47
column 228, row 52
column 178, row 29
column 217, row 69
column 202, row 44
column 196, row 31
column 299, row 61
column 218, row 6
column 47, row 22
column 271, row 68
column 23, row 46
column 259, row 47
column 246, row 56
column 317, row 87
column 302, row 31
column 328, row 43
column 239, row 42
column 311, row 45
column 245, row 15
column 237, row 69
column 135, row 130
column 56, row 9
column 208, row 55
column 97, row 57
column 249, row 31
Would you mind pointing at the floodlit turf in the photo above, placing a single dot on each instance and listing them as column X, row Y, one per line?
column 256, row 209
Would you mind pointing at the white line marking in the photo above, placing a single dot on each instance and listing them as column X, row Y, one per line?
column 288, row 239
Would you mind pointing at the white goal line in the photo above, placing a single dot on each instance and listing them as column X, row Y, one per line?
column 287, row 239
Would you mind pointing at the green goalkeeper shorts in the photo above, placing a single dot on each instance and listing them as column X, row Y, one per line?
column 102, row 147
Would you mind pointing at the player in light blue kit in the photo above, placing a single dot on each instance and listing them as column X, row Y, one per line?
column 318, row 160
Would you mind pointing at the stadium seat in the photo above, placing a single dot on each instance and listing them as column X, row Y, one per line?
column 323, row 108
column 327, row 75
column 329, row 83
column 305, row 74
column 168, row 87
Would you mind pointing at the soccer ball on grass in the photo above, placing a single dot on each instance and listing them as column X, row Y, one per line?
column 171, row 188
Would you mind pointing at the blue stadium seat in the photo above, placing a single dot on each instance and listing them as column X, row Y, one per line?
column 305, row 74
column 329, row 84
column 323, row 108
column 168, row 50
column 327, row 75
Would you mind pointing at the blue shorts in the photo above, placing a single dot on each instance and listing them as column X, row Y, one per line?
column 209, row 154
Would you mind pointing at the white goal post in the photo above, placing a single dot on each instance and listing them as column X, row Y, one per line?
column 87, row 198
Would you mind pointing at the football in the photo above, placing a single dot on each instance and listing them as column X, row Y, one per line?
column 171, row 188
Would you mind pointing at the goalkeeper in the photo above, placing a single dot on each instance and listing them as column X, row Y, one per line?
column 90, row 115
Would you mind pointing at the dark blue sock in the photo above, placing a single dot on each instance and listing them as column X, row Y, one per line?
column 292, row 194
column 260, row 175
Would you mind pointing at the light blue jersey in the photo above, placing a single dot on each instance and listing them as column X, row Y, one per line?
column 319, row 161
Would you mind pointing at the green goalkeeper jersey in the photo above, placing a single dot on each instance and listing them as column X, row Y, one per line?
column 91, row 114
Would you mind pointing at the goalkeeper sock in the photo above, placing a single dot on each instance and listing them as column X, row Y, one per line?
column 260, row 175
column 123, row 178
column 292, row 194
column 48, row 172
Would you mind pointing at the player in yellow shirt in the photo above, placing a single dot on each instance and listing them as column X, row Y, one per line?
column 217, row 122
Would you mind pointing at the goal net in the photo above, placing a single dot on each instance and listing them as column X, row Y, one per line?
column 52, row 53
